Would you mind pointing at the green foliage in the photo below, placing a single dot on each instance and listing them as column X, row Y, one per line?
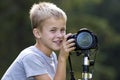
column 100, row 16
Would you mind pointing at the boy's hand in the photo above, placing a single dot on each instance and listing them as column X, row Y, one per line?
column 68, row 45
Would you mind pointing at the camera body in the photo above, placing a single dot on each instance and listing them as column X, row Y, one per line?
column 85, row 40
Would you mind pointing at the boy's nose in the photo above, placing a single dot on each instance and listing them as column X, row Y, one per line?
column 60, row 34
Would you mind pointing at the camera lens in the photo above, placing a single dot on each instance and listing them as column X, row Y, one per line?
column 84, row 40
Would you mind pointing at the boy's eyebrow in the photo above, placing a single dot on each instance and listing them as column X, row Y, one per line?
column 58, row 27
column 53, row 27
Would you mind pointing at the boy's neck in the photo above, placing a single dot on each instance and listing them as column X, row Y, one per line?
column 43, row 49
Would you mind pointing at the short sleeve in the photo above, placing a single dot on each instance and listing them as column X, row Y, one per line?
column 33, row 65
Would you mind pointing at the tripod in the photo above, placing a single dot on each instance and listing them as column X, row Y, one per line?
column 86, row 75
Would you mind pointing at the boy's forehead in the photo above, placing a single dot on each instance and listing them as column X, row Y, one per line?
column 58, row 26
column 54, row 20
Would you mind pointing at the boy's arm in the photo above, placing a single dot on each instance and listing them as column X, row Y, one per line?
column 67, row 47
column 42, row 77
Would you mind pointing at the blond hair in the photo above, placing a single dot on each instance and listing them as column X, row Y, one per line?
column 44, row 10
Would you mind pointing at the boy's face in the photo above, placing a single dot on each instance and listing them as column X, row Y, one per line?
column 52, row 33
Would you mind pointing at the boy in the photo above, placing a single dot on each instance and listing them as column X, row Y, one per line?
column 39, row 62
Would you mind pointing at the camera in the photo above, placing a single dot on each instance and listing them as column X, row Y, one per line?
column 84, row 40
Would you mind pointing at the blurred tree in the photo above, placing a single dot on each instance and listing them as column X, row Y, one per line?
column 100, row 16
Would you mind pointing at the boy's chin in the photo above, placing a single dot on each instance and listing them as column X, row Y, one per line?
column 56, row 49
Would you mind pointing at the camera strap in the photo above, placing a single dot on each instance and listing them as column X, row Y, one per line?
column 71, row 70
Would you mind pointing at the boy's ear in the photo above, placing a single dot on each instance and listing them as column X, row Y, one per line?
column 36, row 33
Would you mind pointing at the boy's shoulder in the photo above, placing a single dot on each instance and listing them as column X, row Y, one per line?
column 29, row 52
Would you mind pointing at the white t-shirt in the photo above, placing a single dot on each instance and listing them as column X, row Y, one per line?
column 31, row 62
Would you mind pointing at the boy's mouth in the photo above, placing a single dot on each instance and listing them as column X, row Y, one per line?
column 58, row 42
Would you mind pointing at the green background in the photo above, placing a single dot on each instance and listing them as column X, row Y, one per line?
column 100, row 16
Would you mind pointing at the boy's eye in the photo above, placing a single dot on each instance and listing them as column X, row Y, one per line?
column 53, row 30
column 63, row 30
